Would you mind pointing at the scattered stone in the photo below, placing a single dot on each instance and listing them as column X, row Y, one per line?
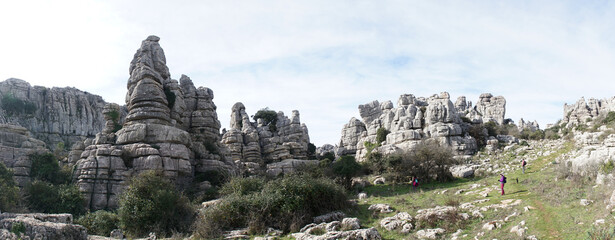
column 362, row 196
column 379, row 181
column 333, row 216
column 585, row 202
column 382, row 208
column 401, row 221
column 117, row 234
column 599, row 221
column 350, row 224
column 492, row 225
column 429, row 233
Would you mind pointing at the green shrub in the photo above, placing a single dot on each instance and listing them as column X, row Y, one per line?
column 45, row 167
column 243, row 186
column 328, row 155
column 269, row 117
column 524, row 143
column 287, row 203
column 115, row 118
column 13, row 105
column 216, row 178
column 478, row 133
column 346, row 167
column 610, row 118
column 170, row 97
column 151, row 203
column 18, row 228
column 601, row 232
column 311, row 151
column 100, row 222
column 45, row 197
column 429, row 160
column 10, row 193
column 581, row 127
column 607, row 167
column 381, row 135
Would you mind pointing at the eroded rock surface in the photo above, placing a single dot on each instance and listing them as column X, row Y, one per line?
column 167, row 126
column 418, row 118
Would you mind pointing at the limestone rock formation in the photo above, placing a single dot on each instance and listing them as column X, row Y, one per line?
column 166, row 126
column 532, row 126
column 42, row 226
column 415, row 119
column 584, row 110
column 16, row 144
column 261, row 142
column 53, row 115
column 488, row 108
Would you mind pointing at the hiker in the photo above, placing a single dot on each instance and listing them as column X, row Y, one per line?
column 523, row 163
column 502, row 180
column 415, row 183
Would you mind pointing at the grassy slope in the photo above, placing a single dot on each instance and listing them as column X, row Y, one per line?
column 557, row 212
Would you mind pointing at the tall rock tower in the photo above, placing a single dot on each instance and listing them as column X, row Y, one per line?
column 165, row 126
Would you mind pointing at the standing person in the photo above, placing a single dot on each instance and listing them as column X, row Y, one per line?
column 523, row 163
column 415, row 183
column 503, row 181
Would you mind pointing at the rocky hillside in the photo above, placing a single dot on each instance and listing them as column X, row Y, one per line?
column 417, row 118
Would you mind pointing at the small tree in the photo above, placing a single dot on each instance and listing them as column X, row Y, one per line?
column 152, row 204
column 381, row 135
column 346, row 168
column 429, row 160
column 46, row 197
column 9, row 193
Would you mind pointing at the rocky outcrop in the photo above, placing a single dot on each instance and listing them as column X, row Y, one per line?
column 348, row 228
column 54, row 115
column 415, row 119
column 488, row 108
column 262, row 142
column 532, row 126
column 584, row 111
column 16, row 144
column 41, row 226
column 166, row 126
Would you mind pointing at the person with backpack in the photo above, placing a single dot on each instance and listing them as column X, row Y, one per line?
column 503, row 181
column 523, row 163
column 415, row 183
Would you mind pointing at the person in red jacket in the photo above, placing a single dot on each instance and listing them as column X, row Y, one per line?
column 503, row 181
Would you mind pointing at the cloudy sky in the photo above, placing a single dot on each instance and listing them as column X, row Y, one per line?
column 324, row 58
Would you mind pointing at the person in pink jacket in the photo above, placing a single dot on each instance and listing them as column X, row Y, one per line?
column 503, row 181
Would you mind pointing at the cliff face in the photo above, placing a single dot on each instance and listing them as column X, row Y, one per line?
column 167, row 126
column 54, row 115
column 417, row 118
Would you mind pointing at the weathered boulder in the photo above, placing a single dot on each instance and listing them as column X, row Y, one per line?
column 16, row 145
column 43, row 226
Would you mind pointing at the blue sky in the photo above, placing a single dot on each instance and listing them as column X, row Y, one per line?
column 324, row 58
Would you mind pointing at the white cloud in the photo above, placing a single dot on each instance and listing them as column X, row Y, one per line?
column 324, row 58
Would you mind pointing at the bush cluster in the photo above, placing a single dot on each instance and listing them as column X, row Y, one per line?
column 9, row 197
column 428, row 161
column 45, row 197
column 45, row 167
column 13, row 105
column 100, row 222
column 151, row 203
column 269, row 117
column 286, row 203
